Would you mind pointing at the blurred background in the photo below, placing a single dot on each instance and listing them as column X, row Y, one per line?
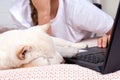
column 109, row 6
column 5, row 18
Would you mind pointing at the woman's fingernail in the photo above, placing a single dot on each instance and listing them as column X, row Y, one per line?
column 104, row 45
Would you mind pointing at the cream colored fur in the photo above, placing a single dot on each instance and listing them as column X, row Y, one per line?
column 33, row 47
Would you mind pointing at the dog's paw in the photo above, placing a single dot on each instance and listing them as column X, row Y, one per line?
column 82, row 50
column 80, row 45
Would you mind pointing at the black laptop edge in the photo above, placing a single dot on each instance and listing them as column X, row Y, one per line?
column 111, row 50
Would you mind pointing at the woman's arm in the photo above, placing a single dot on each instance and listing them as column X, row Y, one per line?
column 43, row 8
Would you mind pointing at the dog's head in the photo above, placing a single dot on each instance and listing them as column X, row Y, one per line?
column 30, row 47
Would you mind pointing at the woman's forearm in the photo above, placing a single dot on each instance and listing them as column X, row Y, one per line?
column 43, row 9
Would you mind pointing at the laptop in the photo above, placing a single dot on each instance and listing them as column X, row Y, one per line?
column 102, row 60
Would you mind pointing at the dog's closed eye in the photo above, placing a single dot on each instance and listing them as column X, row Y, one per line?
column 22, row 51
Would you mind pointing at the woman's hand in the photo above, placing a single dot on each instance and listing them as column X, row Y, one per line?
column 103, row 41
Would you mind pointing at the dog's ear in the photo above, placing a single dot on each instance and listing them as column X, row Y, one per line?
column 44, row 27
column 22, row 51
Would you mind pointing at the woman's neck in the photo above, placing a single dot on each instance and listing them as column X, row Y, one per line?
column 54, row 8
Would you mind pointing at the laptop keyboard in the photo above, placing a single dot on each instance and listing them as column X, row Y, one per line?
column 92, row 57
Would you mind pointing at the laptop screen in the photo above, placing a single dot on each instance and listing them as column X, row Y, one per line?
column 112, row 62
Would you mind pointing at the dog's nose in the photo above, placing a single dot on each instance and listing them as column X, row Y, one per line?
column 63, row 61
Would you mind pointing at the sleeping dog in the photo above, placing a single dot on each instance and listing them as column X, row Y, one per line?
column 34, row 47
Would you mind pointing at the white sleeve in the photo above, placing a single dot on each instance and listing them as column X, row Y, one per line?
column 88, row 17
column 21, row 13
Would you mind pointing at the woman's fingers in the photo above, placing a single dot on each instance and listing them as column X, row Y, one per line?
column 99, row 41
column 102, row 42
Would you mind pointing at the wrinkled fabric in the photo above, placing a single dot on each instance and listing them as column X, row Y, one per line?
column 21, row 13
column 73, row 22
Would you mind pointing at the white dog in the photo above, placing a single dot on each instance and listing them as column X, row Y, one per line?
column 33, row 47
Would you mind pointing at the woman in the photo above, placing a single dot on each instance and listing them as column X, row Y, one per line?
column 71, row 20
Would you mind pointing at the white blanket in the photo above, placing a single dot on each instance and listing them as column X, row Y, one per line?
column 56, row 72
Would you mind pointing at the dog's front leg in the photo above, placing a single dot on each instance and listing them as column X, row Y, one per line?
column 67, row 48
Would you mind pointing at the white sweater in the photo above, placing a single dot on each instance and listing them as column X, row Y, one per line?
column 74, row 19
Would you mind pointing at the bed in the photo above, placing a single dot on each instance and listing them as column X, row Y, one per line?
column 57, row 72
